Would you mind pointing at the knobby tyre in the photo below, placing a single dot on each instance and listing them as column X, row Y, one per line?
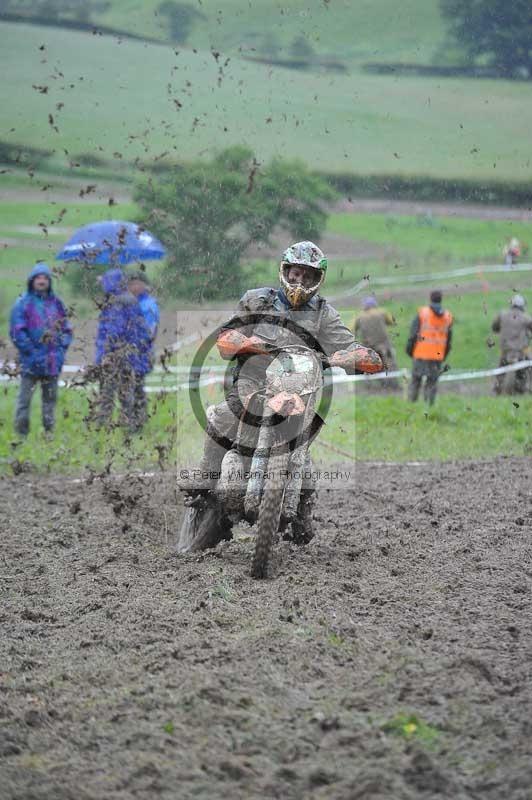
column 269, row 513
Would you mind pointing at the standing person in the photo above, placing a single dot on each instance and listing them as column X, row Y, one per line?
column 138, row 284
column 370, row 329
column 515, row 328
column 122, row 346
column 42, row 334
column 512, row 251
column 429, row 345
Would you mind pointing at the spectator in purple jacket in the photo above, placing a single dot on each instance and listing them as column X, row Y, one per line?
column 41, row 332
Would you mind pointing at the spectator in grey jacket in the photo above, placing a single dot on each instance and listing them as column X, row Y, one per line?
column 515, row 329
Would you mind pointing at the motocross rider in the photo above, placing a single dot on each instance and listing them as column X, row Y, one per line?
column 293, row 313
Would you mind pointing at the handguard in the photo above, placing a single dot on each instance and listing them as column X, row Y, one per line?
column 233, row 343
column 361, row 359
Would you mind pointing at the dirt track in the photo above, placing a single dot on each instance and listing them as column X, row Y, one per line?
column 128, row 672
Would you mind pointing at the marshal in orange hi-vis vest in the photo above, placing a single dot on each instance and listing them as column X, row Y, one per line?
column 433, row 332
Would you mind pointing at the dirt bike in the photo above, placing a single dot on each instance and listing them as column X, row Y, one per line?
column 268, row 486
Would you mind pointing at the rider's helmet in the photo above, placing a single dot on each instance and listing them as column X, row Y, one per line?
column 309, row 256
column 518, row 301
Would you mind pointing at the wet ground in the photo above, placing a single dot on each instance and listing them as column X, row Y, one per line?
column 390, row 658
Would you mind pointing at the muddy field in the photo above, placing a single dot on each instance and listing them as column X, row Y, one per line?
column 390, row 658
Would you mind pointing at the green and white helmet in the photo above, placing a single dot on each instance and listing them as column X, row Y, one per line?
column 309, row 256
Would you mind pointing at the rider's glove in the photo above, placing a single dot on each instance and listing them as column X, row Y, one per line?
column 233, row 343
column 359, row 359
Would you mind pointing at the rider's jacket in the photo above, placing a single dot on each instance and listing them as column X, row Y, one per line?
column 433, row 334
column 266, row 313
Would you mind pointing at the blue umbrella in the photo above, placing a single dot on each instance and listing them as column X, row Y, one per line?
column 111, row 242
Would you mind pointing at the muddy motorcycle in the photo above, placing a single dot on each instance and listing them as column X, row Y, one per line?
column 269, row 485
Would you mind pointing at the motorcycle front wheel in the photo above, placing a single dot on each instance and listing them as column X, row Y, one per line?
column 269, row 513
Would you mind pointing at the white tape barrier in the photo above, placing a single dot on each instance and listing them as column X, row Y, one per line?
column 486, row 373
column 389, row 280
column 157, row 372
column 185, row 386
column 170, row 369
column 341, row 377
column 446, row 376
column 338, row 376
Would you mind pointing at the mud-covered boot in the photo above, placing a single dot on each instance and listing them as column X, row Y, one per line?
column 203, row 478
column 303, row 525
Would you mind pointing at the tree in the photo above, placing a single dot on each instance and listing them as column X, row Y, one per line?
column 181, row 18
column 207, row 214
column 497, row 31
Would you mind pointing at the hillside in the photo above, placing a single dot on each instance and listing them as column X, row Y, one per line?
column 348, row 30
column 123, row 99
column 352, row 30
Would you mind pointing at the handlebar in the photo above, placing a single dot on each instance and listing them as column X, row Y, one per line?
column 274, row 349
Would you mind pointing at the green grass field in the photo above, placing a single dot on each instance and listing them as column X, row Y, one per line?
column 420, row 243
column 71, row 215
column 78, row 447
column 350, row 32
column 457, row 427
column 119, row 103
column 361, row 427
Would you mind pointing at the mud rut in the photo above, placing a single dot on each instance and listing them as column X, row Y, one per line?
column 127, row 672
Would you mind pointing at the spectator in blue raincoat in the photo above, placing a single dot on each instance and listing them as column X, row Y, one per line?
column 122, row 352
column 139, row 286
column 41, row 332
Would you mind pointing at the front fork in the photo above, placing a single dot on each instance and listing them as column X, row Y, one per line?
column 259, row 466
